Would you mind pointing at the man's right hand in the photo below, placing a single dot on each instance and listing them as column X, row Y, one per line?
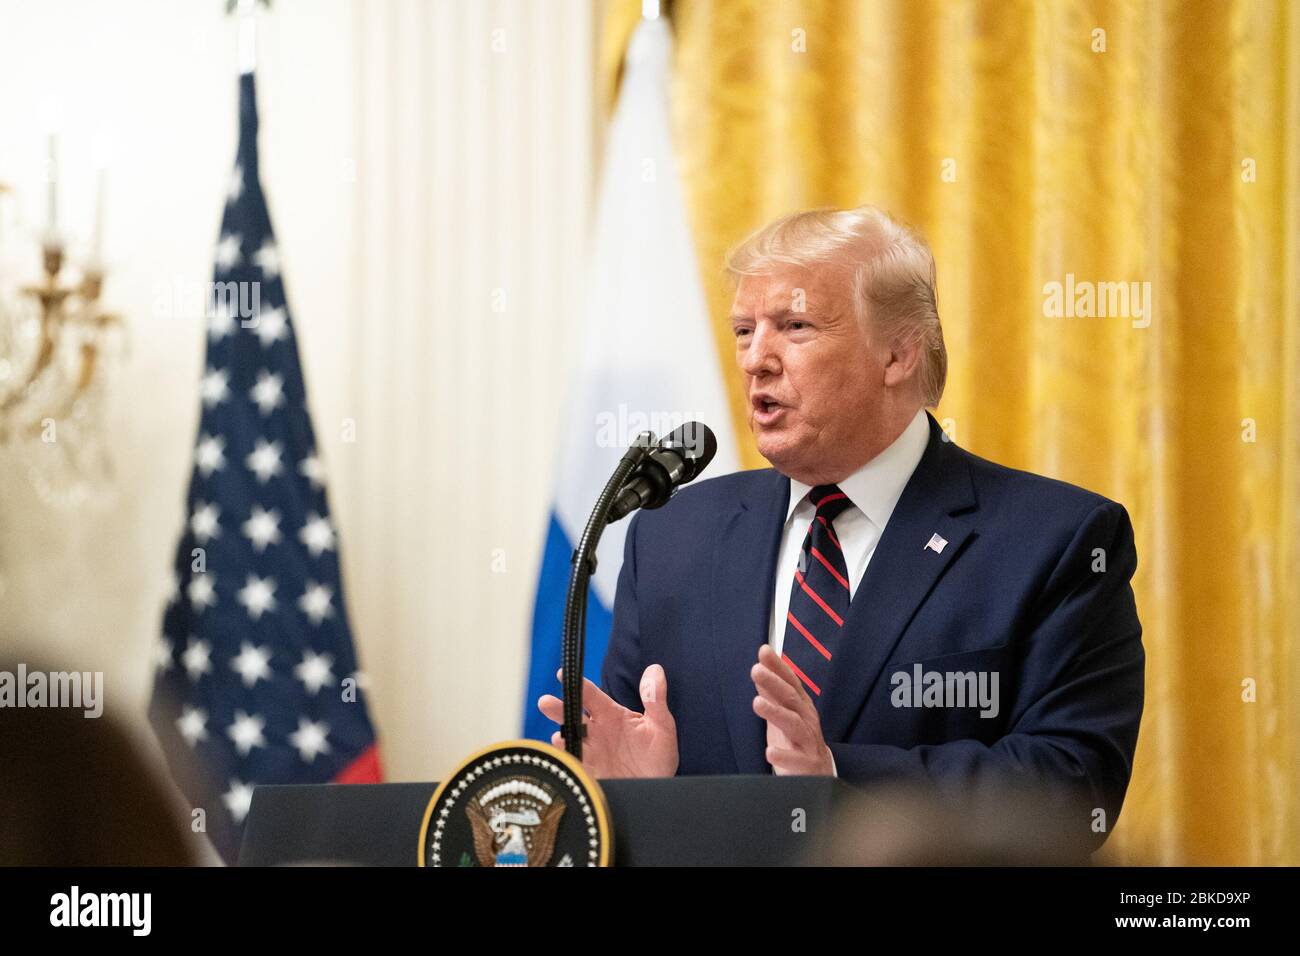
column 620, row 742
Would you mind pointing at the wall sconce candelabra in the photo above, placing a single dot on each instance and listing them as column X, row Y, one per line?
column 58, row 348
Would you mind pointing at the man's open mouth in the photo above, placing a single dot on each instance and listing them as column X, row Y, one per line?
column 766, row 409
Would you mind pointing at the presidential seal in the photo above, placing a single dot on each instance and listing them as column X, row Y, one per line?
column 518, row 803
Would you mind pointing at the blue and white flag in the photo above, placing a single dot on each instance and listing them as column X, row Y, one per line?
column 647, row 359
column 257, row 679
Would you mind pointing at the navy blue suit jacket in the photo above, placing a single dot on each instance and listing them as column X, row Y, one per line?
column 1016, row 590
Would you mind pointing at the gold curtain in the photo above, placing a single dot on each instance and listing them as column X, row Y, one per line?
column 1073, row 143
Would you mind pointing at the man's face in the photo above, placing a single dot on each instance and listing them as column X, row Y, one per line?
column 814, row 379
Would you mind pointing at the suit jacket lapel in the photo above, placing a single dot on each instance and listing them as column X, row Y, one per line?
column 901, row 573
column 744, row 573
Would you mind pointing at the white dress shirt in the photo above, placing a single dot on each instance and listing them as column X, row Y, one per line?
column 874, row 490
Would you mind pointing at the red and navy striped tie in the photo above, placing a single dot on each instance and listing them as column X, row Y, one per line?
column 819, row 597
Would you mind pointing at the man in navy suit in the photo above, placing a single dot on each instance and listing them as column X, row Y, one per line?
column 880, row 604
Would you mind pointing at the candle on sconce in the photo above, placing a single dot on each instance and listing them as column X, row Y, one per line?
column 103, row 152
column 101, row 193
column 52, row 189
column 50, row 111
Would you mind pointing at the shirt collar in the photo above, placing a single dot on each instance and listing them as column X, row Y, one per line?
column 876, row 487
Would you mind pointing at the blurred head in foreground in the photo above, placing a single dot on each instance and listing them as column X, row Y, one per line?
column 838, row 336
column 75, row 792
column 999, row 826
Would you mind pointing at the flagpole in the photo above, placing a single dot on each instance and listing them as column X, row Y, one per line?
column 247, row 36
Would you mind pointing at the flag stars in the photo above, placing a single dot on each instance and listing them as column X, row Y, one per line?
column 196, row 658
column 317, row 534
column 221, row 321
column 215, row 387
column 238, row 799
column 309, row 739
column 315, row 671
column 236, row 187
column 228, row 254
column 258, row 596
column 267, row 259
column 271, row 325
column 246, row 732
column 162, row 654
column 262, row 528
column 312, row 469
column 268, row 393
column 210, row 454
column 193, row 725
column 202, row 591
column 315, row 602
column 252, row 664
column 265, row 462
column 204, row 522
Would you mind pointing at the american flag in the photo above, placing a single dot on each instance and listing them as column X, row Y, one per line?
column 257, row 679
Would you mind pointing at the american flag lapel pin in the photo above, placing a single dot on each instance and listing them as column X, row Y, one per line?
column 936, row 543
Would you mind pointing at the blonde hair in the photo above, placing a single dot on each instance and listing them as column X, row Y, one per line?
column 889, row 267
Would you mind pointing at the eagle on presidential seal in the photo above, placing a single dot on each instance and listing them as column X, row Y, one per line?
column 515, row 822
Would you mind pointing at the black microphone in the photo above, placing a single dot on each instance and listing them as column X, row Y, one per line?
column 677, row 459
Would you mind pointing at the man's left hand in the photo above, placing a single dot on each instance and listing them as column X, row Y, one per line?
column 794, row 730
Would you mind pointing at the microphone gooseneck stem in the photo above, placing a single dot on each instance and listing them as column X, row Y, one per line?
column 575, row 607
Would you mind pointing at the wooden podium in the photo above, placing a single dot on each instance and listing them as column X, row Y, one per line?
column 675, row 821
